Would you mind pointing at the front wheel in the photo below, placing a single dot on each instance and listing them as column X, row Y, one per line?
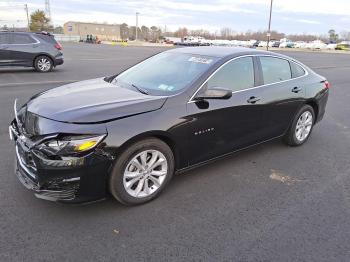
column 43, row 64
column 141, row 172
column 301, row 127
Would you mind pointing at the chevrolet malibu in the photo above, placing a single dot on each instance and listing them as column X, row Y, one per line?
column 129, row 133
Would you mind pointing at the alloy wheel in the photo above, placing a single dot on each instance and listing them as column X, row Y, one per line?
column 44, row 64
column 304, row 125
column 145, row 173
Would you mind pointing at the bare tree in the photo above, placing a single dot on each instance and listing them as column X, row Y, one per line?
column 155, row 33
column 145, row 32
column 181, row 32
column 124, row 31
column 345, row 35
column 226, row 33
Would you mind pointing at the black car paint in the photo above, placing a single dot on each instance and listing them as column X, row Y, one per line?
column 85, row 104
column 12, row 54
column 196, row 131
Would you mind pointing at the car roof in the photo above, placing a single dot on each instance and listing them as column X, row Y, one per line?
column 220, row 51
column 15, row 32
column 224, row 53
column 26, row 33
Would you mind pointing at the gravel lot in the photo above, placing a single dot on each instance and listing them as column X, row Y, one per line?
column 268, row 203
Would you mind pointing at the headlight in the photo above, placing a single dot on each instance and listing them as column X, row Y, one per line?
column 71, row 145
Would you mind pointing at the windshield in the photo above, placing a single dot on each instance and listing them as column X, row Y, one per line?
column 165, row 74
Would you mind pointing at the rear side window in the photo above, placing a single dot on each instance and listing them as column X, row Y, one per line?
column 275, row 69
column 297, row 70
column 235, row 75
column 22, row 39
column 47, row 38
column 4, row 38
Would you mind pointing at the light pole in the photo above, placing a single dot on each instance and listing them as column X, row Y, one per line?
column 137, row 24
column 26, row 9
column 269, row 29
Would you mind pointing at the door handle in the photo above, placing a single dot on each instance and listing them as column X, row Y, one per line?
column 253, row 100
column 296, row 89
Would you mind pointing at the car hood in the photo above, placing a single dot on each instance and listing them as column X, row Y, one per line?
column 92, row 101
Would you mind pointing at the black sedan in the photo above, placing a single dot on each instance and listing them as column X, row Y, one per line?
column 128, row 134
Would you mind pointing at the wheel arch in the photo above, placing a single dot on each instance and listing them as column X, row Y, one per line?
column 43, row 54
column 314, row 105
column 310, row 102
column 164, row 136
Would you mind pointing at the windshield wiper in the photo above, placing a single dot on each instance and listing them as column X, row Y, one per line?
column 143, row 91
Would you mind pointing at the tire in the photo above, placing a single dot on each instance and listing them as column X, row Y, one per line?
column 43, row 64
column 126, row 177
column 298, row 133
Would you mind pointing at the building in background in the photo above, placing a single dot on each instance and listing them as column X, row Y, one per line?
column 105, row 32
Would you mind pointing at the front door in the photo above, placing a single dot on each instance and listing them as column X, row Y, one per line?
column 221, row 126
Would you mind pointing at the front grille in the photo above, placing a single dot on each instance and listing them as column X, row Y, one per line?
column 53, row 191
column 68, row 194
column 26, row 161
column 59, row 189
column 27, row 158
column 29, row 183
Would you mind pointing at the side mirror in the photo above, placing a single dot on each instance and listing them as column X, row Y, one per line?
column 214, row 93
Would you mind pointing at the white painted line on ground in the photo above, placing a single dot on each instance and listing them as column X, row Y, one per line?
column 39, row 83
column 329, row 67
column 100, row 59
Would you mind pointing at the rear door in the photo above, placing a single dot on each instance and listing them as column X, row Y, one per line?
column 221, row 126
column 5, row 54
column 283, row 94
column 23, row 49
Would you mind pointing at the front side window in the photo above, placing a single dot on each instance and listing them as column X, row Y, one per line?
column 275, row 69
column 22, row 39
column 166, row 73
column 236, row 75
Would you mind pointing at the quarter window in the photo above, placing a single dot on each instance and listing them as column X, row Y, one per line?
column 22, row 39
column 297, row 70
column 235, row 75
column 275, row 69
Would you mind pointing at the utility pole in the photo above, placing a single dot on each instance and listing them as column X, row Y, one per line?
column 137, row 24
column 26, row 8
column 269, row 29
column 48, row 11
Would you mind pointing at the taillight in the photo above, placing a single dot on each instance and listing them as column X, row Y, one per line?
column 327, row 85
column 58, row 46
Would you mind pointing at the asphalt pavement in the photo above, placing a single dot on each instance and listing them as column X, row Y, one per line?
column 268, row 203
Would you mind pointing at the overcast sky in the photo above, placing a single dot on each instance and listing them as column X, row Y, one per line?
column 289, row 16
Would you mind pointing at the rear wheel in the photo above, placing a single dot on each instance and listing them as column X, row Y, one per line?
column 43, row 64
column 301, row 128
column 141, row 172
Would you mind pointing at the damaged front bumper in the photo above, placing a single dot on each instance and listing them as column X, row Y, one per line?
column 59, row 190
column 73, row 179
